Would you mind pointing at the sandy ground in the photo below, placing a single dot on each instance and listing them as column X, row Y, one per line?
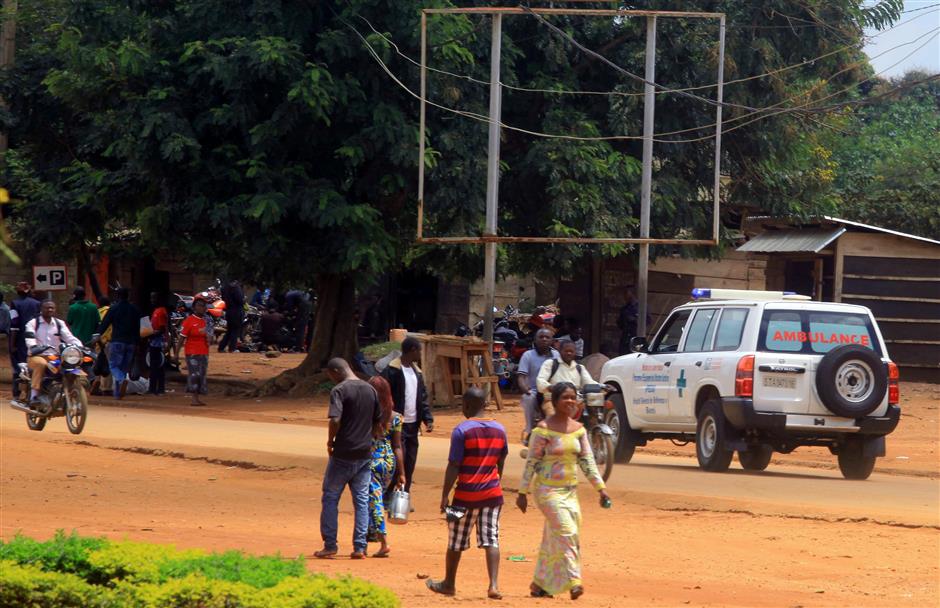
column 245, row 474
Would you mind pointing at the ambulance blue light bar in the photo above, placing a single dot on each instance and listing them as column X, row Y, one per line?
column 705, row 293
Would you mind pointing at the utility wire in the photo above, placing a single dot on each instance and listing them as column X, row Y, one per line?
column 482, row 118
column 830, row 107
column 468, row 78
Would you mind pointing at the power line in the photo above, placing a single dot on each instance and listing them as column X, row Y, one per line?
column 468, row 78
column 830, row 107
column 485, row 119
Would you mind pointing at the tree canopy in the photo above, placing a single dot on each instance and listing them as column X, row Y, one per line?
column 262, row 139
column 886, row 157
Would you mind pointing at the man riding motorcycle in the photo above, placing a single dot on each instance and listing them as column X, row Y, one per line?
column 565, row 370
column 42, row 333
column 529, row 367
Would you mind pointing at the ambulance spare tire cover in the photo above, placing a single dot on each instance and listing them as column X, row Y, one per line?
column 851, row 380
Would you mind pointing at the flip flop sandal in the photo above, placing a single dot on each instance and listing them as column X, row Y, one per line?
column 576, row 592
column 382, row 553
column 494, row 595
column 438, row 587
column 536, row 591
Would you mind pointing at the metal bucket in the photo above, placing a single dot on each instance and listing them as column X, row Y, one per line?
column 399, row 507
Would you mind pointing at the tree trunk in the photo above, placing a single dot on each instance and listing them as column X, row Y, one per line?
column 90, row 272
column 334, row 327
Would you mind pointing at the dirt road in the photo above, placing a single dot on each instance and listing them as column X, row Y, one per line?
column 676, row 536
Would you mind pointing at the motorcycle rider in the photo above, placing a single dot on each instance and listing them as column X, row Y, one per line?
column 565, row 370
column 43, row 332
column 529, row 367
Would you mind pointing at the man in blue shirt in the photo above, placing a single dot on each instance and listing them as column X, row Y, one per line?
column 529, row 366
column 24, row 309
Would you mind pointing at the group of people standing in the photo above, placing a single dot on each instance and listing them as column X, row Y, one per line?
column 119, row 332
column 373, row 446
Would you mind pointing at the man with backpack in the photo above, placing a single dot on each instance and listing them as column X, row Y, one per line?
column 567, row 369
column 43, row 332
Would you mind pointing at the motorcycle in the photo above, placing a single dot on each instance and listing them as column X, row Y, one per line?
column 601, row 436
column 594, row 408
column 64, row 389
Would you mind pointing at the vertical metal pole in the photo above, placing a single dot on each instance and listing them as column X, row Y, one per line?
column 649, row 105
column 492, row 179
column 421, row 127
column 721, row 93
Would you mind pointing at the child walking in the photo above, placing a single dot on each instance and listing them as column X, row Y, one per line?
column 197, row 332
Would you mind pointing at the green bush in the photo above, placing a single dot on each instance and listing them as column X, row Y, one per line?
column 61, row 554
column 138, row 562
column 27, row 585
column 74, row 571
column 259, row 572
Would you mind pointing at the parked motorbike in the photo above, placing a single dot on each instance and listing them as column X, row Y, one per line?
column 594, row 407
column 64, row 389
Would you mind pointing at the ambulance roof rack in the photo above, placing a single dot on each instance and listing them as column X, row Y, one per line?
column 705, row 293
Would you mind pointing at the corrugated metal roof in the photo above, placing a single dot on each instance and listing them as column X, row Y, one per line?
column 880, row 229
column 792, row 241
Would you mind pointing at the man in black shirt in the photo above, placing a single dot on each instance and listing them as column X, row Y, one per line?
column 234, row 299
column 355, row 417
column 124, row 320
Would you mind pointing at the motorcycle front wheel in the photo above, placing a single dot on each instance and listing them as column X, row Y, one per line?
column 77, row 412
column 603, row 447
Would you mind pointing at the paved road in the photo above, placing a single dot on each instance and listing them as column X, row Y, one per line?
column 665, row 482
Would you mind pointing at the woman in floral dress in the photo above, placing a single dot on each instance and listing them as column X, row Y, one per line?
column 558, row 447
column 386, row 451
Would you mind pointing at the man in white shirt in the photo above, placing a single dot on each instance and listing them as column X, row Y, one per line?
column 411, row 401
column 42, row 332
column 565, row 370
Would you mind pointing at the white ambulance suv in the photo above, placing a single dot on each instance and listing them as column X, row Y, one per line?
column 755, row 373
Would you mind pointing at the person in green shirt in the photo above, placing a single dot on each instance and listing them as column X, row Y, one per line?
column 83, row 316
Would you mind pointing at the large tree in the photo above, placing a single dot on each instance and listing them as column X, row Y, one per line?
column 264, row 140
column 886, row 156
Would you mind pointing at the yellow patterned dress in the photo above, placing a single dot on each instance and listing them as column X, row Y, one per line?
column 553, row 463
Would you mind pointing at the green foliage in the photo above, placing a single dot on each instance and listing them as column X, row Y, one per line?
column 140, row 562
column 27, row 585
column 61, row 554
column 259, row 572
column 203, row 125
column 73, row 571
column 887, row 170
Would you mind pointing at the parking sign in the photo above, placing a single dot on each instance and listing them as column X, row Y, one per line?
column 50, row 278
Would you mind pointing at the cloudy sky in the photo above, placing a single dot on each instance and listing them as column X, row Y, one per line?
column 919, row 26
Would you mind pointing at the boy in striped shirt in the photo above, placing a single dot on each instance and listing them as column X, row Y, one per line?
column 478, row 449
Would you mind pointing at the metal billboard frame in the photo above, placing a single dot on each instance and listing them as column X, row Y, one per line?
column 490, row 238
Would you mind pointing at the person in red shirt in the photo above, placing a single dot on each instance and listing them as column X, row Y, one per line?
column 478, row 448
column 158, row 321
column 197, row 332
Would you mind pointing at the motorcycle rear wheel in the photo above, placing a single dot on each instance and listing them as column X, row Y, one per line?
column 77, row 413
column 35, row 423
column 603, row 447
